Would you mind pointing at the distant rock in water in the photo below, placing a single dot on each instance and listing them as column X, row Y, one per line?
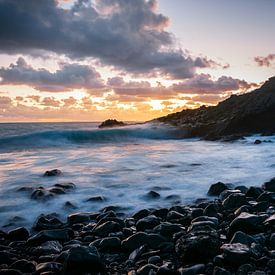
column 111, row 123
column 239, row 115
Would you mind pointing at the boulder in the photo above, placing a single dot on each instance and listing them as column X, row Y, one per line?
column 236, row 253
column 111, row 123
column 216, row 189
column 269, row 185
column 52, row 173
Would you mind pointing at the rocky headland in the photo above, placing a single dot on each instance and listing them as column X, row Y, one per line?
column 237, row 116
column 231, row 231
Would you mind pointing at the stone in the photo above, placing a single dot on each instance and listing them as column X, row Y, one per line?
column 49, row 267
column 141, row 214
column 145, row 270
column 270, row 220
column 4, row 271
column 236, row 253
column 96, row 199
column 240, row 237
column 216, row 189
column 191, row 247
column 234, row 201
column 135, row 255
column 45, row 222
column 148, row 222
column 257, row 141
column 79, row 218
column 193, row 270
column 272, row 241
column 247, row 223
column 152, row 195
column 103, row 230
column 62, row 235
column 18, row 234
column 83, row 259
column 110, row 243
column 155, row 260
column 269, row 185
column 52, row 173
column 220, row 271
column 111, row 123
column 167, row 229
column 174, row 215
column 245, row 269
column 254, row 192
column 49, row 247
column 23, row 265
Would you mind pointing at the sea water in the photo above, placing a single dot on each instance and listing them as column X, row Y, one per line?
column 121, row 165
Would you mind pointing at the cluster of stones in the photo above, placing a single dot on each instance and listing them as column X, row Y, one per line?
column 232, row 234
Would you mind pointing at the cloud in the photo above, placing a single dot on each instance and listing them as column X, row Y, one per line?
column 130, row 37
column 68, row 77
column 204, row 84
column 265, row 61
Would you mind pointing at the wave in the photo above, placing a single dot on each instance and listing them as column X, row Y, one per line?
column 112, row 135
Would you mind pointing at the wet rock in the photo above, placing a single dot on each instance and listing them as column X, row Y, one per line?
column 257, row 141
column 103, row 230
column 141, row 214
column 96, row 199
column 146, row 269
column 155, row 260
column 152, row 195
column 211, row 210
column 240, row 237
column 193, row 270
column 226, row 193
column 236, row 253
column 167, row 269
column 110, row 243
column 148, row 222
column 49, row 221
column 254, row 192
column 18, row 234
column 247, row 223
column 52, row 173
column 10, row 272
column 272, row 241
column 135, row 255
column 245, row 269
column 49, row 247
column 65, row 185
column 23, row 265
column 83, row 259
column 79, row 218
column 216, row 189
column 270, row 220
column 220, row 271
column 53, row 267
column 174, row 215
column 234, row 201
column 167, row 229
column 7, row 257
column 41, row 194
column 191, row 247
column 111, row 123
column 269, row 185
column 61, row 235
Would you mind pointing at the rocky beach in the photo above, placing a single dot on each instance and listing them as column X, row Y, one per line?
column 231, row 231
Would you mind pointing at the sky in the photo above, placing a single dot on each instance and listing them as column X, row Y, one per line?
column 133, row 60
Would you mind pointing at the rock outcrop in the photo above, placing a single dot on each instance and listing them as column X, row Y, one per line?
column 239, row 115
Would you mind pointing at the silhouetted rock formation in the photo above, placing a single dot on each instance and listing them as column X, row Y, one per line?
column 111, row 123
column 238, row 115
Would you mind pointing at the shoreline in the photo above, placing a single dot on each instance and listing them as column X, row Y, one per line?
column 231, row 234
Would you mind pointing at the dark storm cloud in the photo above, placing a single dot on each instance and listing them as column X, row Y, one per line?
column 203, row 84
column 265, row 61
column 129, row 35
column 69, row 76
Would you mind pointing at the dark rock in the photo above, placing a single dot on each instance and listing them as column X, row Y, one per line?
column 49, row 221
column 269, row 185
column 61, row 235
column 23, row 265
column 83, row 259
column 272, row 241
column 155, row 260
column 240, row 237
column 174, row 215
column 66, row 185
column 211, row 210
column 41, row 194
column 96, row 199
column 167, row 269
column 245, row 269
column 69, row 205
column 226, row 193
column 49, row 267
column 167, row 229
column 49, row 247
column 234, row 201
column 148, row 222
column 79, row 218
column 270, row 220
column 193, row 270
column 106, row 228
column 7, row 257
column 10, row 272
column 152, row 195
column 110, row 243
column 18, row 234
column 257, row 141
column 254, row 192
column 192, row 246
column 145, row 270
column 52, row 173
column 220, row 271
column 247, row 223
column 236, row 253
column 111, row 123
column 267, row 197
column 216, row 189
column 141, row 214
column 135, row 255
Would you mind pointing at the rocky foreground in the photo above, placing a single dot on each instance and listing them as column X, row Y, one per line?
column 237, row 116
column 232, row 234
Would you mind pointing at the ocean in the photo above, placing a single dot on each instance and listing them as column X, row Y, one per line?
column 119, row 165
